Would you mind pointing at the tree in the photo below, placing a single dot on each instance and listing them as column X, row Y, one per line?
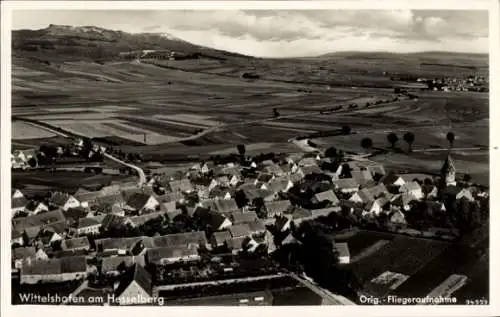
column 392, row 138
column 367, row 143
column 241, row 149
column 467, row 178
column 450, row 136
column 409, row 138
column 276, row 113
column 331, row 152
column 346, row 129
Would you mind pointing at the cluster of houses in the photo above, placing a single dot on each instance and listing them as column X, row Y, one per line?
column 231, row 204
column 469, row 83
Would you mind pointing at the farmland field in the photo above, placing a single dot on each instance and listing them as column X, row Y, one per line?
column 23, row 130
column 202, row 107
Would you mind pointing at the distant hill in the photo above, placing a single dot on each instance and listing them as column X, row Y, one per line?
column 430, row 58
column 90, row 42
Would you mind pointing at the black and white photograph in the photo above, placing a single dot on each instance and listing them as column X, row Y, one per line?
column 247, row 157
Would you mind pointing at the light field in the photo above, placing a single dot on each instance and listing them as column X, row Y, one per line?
column 22, row 130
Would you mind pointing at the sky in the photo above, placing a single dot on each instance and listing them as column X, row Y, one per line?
column 280, row 33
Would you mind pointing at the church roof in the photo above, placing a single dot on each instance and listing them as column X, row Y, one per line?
column 448, row 165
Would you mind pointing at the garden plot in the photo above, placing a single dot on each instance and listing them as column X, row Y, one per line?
column 23, row 130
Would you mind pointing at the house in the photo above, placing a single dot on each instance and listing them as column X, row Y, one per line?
column 257, row 227
column 18, row 204
column 412, row 188
column 273, row 169
column 362, row 177
column 369, row 194
column 397, row 219
column 264, row 178
column 315, row 213
column 243, row 217
column 16, row 237
column 197, row 238
column 403, row 201
column 33, row 207
column 220, row 238
column 63, row 201
column 87, row 225
column 182, row 186
column 277, row 207
column 25, row 255
column 342, row 249
column 41, row 220
column 169, row 255
column 76, row 244
column 138, row 221
column 346, row 185
column 378, row 206
column 377, row 171
column 54, row 270
column 135, row 288
column 309, row 169
column 112, row 222
column 121, row 245
column 328, row 195
column 430, row 191
column 226, row 206
column 392, row 179
column 142, row 202
column 48, row 236
column 221, row 193
column 458, row 193
column 88, row 198
column 16, row 193
column 112, row 265
column 240, row 230
column 308, row 161
column 208, row 218
column 281, row 184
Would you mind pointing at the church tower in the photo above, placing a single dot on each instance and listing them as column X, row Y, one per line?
column 448, row 172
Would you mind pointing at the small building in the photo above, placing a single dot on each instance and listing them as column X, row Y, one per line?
column 342, row 248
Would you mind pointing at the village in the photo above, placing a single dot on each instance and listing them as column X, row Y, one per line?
column 225, row 220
